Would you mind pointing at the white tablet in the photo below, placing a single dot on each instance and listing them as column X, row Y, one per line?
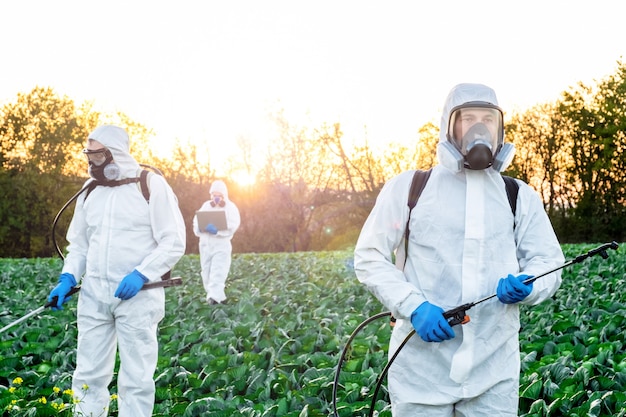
column 217, row 218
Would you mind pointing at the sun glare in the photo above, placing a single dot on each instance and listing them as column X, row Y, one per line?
column 243, row 178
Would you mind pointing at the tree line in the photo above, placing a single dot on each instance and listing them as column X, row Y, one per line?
column 313, row 192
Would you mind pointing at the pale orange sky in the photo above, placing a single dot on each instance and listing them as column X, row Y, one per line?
column 209, row 71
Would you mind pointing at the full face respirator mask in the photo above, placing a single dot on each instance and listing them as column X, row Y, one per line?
column 476, row 138
column 101, row 165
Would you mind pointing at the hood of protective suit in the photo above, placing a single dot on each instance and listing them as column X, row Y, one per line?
column 459, row 95
column 219, row 186
column 117, row 141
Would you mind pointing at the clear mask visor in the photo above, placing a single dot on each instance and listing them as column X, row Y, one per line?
column 97, row 157
column 474, row 125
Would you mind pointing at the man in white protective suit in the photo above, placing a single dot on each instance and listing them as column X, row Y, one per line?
column 118, row 241
column 465, row 244
column 215, row 245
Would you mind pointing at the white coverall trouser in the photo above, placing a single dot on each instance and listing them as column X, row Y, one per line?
column 215, row 260
column 131, row 325
column 503, row 395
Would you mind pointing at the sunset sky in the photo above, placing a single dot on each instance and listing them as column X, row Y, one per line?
column 210, row 71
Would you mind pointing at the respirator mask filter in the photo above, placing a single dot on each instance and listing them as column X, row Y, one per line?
column 218, row 201
column 479, row 151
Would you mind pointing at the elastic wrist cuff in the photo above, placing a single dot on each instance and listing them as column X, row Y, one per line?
column 143, row 277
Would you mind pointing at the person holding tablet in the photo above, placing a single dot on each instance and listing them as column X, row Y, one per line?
column 215, row 240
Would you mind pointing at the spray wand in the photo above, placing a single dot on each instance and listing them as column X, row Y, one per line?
column 150, row 285
column 458, row 314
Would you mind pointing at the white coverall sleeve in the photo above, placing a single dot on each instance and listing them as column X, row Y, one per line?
column 380, row 236
column 538, row 249
column 195, row 229
column 168, row 230
column 206, row 206
column 233, row 220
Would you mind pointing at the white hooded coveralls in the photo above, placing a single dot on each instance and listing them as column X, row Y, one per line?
column 113, row 231
column 216, row 250
column 462, row 242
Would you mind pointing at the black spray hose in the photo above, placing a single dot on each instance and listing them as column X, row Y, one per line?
column 56, row 219
column 344, row 353
column 454, row 316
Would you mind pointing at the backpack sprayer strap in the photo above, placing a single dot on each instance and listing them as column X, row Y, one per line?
column 143, row 179
column 93, row 184
column 120, row 182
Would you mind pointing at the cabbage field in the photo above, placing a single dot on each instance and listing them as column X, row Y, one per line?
column 272, row 350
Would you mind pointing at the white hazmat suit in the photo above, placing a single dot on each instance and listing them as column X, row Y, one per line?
column 216, row 249
column 463, row 239
column 113, row 232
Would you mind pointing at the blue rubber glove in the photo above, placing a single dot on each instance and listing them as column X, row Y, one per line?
column 429, row 323
column 211, row 229
column 512, row 289
column 130, row 285
column 66, row 283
